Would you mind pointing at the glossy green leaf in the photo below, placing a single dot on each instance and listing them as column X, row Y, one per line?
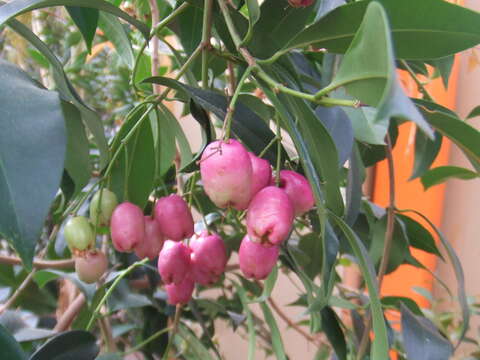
column 399, row 244
column 32, row 152
column 321, row 148
column 331, row 326
column 252, row 130
column 67, row 91
column 340, row 129
column 474, row 113
column 11, row 349
column 189, row 23
column 165, row 146
column 459, row 275
column 15, row 8
column 368, row 73
column 444, row 67
column 86, row 20
column 398, row 301
column 418, row 236
column 422, row 340
column 380, row 343
column 252, row 335
column 268, row 286
column 415, row 30
column 465, row 136
column 77, row 159
column 133, row 173
column 115, row 32
column 278, row 24
column 74, row 344
column 441, row 174
column 43, row 277
column 253, row 17
column 426, row 151
column 277, row 343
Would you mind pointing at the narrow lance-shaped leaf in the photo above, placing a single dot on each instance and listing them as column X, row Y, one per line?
column 15, row 8
column 368, row 73
column 277, row 343
column 458, row 270
column 380, row 342
column 115, row 32
column 86, row 20
column 415, row 33
column 252, row 344
column 441, row 174
column 246, row 124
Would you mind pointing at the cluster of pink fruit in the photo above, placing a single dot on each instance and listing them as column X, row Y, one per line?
column 203, row 260
column 234, row 177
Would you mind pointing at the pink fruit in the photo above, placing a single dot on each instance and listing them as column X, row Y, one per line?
column 91, row 266
column 298, row 189
column 127, row 227
column 256, row 261
column 270, row 216
column 261, row 173
column 226, row 173
column 174, row 217
column 180, row 293
column 152, row 242
column 300, row 3
column 209, row 258
column 174, row 262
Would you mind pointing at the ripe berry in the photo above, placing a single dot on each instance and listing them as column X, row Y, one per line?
column 209, row 257
column 79, row 233
column 256, row 261
column 226, row 173
column 127, row 227
column 91, row 266
column 102, row 212
column 174, row 262
column 261, row 173
column 174, row 217
column 270, row 216
column 180, row 293
column 152, row 242
column 298, row 189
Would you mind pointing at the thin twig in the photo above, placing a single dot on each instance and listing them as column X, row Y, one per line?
column 154, row 41
column 69, row 315
column 420, row 85
column 18, row 292
column 206, row 34
column 291, row 323
column 387, row 243
column 38, row 263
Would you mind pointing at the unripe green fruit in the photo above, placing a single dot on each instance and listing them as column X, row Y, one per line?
column 79, row 233
column 109, row 203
